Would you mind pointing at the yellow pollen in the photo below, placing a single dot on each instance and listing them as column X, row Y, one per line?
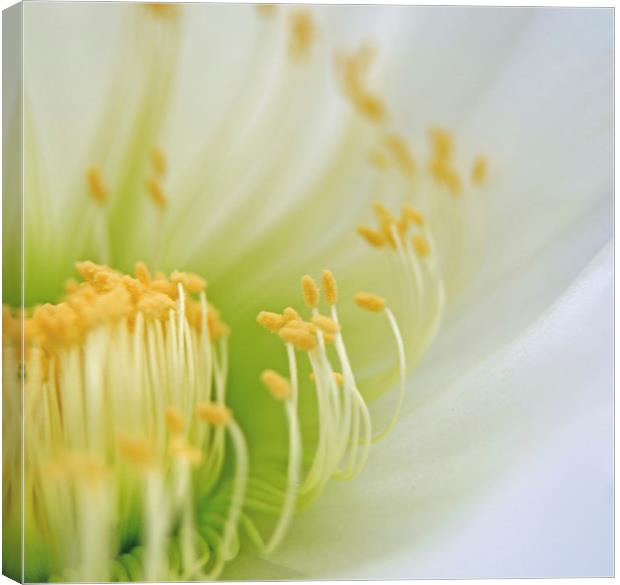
column 370, row 301
column 372, row 237
column 413, row 214
column 310, row 291
column 266, row 9
column 338, row 377
column 270, row 321
column 479, row 170
column 174, row 420
column 214, row 414
column 442, row 143
column 142, row 273
column 301, row 325
column 353, row 70
column 181, row 449
column 192, row 283
column 158, row 159
column 96, row 185
column 421, row 245
column 401, row 153
column 303, row 33
column 156, row 193
column 291, row 314
column 378, row 159
column 330, row 287
column 382, row 213
column 138, row 450
column 162, row 9
column 299, row 338
column 278, row 386
column 326, row 324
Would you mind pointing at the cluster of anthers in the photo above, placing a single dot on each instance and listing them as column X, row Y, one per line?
column 105, row 423
column 344, row 423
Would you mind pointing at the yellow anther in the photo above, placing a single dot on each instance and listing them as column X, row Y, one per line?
column 479, row 170
column 291, row 314
column 138, row 450
column 266, row 9
column 401, row 153
column 329, row 338
column 96, row 185
column 174, row 420
column 303, row 33
column 162, row 9
column 278, row 386
column 421, row 245
column 88, row 270
column 378, row 159
column 71, row 286
column 270, row 321
column 214, row 414
column 413, row 214
column 301, row 325
column 330, row 287
column 156, row 193
column 326, row 324
column 192, row 283
column 338, row 378
column 310, row 291
column 165, row 287
column 382, row 213
column 142, row 273
column 158, row 158
column 353, row 71
column 369, row 301
column 372, row 237
column 442, row 143
column 299, row 338
column 181, row 449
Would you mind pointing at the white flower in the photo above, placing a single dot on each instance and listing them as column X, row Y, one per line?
column 268, row 147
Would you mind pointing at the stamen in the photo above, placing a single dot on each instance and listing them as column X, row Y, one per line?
column 192, row 283
column 291, row 314
column 278, row 386
column 373, row 237
column 326, row 324
column 96, row 185
column 413, row 214
column 370, row 302
column 140, row 451
column 330, row 287
column 174, row 420
column 142, row 273
column 271, row 321
column 303, row 34
column 299, row 338
column 421, row 245
column 266, row 9
column 215, row 414
column 311, row 291
column 401, row 153
column 353, row 70
column 479, row 170
column 156, row 193
column 158, row 159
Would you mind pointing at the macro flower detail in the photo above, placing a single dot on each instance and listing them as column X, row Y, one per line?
column 205, row 329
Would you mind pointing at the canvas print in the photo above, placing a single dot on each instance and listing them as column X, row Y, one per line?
column 298, row 291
